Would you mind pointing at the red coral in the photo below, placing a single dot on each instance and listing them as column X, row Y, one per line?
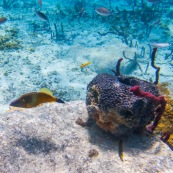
column 160, row 101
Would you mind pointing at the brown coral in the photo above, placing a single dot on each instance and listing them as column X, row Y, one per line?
column 115, row 109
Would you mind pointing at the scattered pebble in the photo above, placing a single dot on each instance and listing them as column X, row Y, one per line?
column 80, row 122
column 93, row 153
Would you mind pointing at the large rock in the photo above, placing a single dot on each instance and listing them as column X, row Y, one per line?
column 46, row 139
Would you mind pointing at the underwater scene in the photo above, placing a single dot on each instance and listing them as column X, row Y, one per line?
column 62, row 51
column 62, row 45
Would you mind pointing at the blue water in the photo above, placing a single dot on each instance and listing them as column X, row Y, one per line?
column 40, row 57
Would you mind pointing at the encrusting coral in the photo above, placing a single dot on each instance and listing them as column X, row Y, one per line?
column 165, row 124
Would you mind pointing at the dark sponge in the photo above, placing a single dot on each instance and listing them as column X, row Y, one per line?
column 114, row 108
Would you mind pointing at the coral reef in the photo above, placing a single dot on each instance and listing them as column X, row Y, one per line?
column 124, row 24
column 117, row 110
column 9, row 40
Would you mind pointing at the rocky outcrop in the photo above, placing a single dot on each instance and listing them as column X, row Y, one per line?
column 47, row 139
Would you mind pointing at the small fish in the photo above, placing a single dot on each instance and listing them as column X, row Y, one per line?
column 33, row 99
column 85, row 64
column 41, row 15
column 103, row 11
column 160, row 45
column 3, row 20
column 40, row 2
column 120, row 148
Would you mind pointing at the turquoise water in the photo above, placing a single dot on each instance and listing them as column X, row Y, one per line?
column 34, row 55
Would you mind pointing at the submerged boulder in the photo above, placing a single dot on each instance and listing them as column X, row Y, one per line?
column 117, row 110
column 46, row 139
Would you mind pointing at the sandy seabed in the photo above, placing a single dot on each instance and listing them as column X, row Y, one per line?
column 45, row 62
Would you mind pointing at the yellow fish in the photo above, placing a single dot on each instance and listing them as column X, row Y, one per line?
column 85, row 64
column 33, row 99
